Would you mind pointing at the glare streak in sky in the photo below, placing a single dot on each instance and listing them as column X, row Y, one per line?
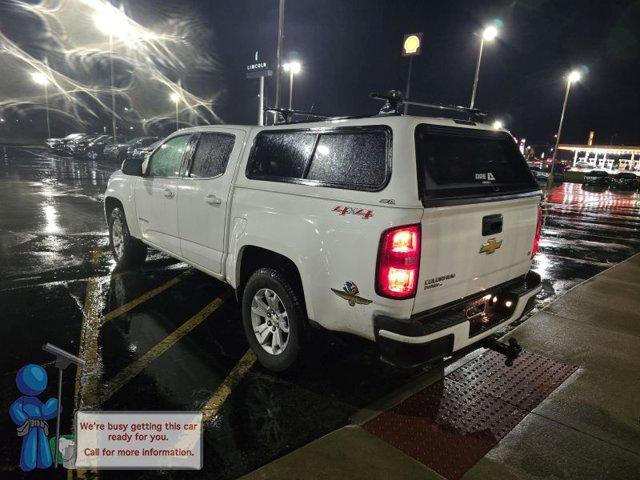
column 68, row 41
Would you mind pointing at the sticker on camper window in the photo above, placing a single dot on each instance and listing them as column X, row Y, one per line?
column 485, row 176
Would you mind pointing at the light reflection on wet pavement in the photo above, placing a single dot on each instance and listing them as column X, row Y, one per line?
column 57, row 275
column 585, row 232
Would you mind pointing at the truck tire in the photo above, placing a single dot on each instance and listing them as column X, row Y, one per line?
column 274, row 319
column 128, row 251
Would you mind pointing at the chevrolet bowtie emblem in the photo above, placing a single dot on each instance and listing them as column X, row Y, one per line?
column 491, row 246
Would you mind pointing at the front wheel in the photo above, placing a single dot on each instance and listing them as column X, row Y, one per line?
column 127, row 250
column 273, row 318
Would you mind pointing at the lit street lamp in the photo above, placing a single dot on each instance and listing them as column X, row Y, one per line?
column 488, row 34
column 175, row 98
column 109, row 21
column 574, row 76
column 42, row 79
column 293, row 68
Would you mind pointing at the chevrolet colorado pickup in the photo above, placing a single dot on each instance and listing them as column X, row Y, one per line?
column 416, row 233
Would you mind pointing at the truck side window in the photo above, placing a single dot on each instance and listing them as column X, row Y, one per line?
column 349, row 158
column 356, row 160
column 212, row 155
column 280, row 155
column 166, row 161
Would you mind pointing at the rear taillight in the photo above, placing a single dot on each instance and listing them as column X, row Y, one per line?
column 536, row 239
column 398, row 262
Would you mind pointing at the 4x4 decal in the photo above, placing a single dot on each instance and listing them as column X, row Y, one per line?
column 341, row 210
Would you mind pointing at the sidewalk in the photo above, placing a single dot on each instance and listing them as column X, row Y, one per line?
column 587, row 428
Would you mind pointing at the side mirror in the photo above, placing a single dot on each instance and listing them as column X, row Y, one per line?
column 132, row 166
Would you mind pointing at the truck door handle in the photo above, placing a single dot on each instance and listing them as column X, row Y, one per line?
column 211, row 199
column 169, row 193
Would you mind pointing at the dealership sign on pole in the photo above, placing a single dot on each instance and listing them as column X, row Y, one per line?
column 259, row 70
column 411, row 47
column 412, row 44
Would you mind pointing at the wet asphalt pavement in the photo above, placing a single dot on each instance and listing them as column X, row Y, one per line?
column 58, row 284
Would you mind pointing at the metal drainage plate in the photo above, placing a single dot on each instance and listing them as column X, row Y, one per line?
column 453, row 423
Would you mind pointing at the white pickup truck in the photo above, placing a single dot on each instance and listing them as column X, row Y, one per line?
column 416, row 233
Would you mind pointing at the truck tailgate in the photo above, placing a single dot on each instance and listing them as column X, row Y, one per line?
column 458, row 260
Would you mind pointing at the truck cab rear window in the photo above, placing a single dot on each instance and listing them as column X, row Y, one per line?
column 280, row 155
column 212, row 154
column 354, row 159
column 456, row 162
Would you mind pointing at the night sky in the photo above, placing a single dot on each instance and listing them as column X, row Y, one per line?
column 350, row 48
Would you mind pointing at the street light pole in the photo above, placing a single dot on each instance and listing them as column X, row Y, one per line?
column 46, row 101
column 42, row 79
column 293, row 68
column 477, row 76
column 408, row 89
column 279, row 52
column 290, row 88
column 489, row 34
column 113, row 94
column 175, row 98
column 261, row 102
column 574, row 76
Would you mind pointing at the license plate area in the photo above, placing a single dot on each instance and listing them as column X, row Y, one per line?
column 490, row 310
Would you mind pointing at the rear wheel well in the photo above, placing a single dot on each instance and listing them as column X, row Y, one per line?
column 254, row 258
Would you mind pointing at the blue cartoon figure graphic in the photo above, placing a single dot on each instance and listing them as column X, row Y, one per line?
column 31, row 415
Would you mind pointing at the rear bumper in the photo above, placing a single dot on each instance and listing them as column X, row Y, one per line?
column 435, row 334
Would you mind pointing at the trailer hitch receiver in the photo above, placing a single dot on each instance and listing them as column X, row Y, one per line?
column 511, row 351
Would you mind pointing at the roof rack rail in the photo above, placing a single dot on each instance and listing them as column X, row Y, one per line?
column 393, row 105
column 287, row 114
column 394, row 101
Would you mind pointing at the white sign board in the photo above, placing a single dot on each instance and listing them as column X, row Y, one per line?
column 139, row 440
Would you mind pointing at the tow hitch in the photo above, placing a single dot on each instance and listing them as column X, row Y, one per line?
column 511, row 351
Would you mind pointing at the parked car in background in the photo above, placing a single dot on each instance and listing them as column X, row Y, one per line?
column 558, row 173
column 596, row 178
column 117, row 152
column 541, row 173
column 58, row 144
column 582, row 165
column 77, row 146
column 140, row 153
column 96, row 147
column 624, row 181
column 84, row 146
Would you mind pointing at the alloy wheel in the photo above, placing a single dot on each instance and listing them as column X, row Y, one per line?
column 270, row 321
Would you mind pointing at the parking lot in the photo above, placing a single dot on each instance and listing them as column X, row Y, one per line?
column 167, row 337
